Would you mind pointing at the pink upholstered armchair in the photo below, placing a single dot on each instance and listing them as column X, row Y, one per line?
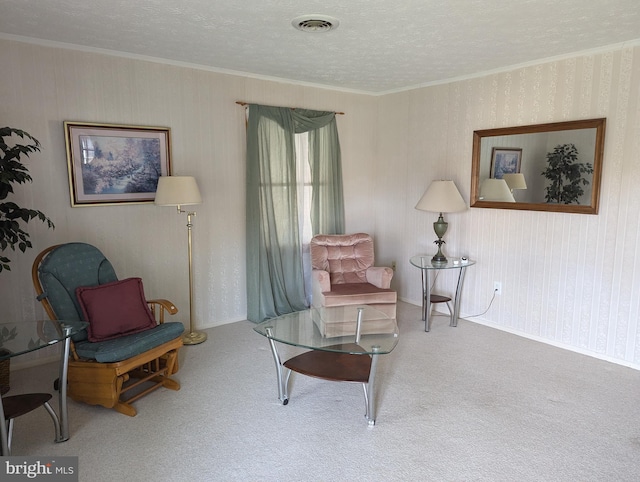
column 343, row 274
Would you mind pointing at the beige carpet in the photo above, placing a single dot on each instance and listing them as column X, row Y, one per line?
column 456, row 404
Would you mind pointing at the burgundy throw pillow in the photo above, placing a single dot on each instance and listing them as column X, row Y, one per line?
column 115, row 309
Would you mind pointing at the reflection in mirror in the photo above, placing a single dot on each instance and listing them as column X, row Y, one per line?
column 496, row 190
column 544, row 167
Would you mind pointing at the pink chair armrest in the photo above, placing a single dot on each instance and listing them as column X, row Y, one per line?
column 321, row 280
column 320, row 283
column 380, row 277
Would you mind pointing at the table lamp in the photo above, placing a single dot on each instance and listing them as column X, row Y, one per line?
column 441, row 197
column 496, row 190
column 515, row 181
column 180, row 191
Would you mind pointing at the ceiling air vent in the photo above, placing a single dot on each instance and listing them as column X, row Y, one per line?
column 315, row 23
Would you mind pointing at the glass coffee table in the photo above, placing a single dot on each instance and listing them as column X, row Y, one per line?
column 24, row 337
column 349, row 356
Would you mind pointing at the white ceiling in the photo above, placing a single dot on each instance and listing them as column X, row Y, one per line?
column 380, row 45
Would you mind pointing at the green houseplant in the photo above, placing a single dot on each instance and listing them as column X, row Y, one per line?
column 12, row 216
column 12, row 170
column 566, row 175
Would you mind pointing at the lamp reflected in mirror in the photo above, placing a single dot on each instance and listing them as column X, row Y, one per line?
column 515, row 181
column 496, row 190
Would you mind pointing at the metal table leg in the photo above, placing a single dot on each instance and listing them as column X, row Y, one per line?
column 283, row 379
column 456, row 303
column 426, row 298
column 63, row 434
column 4, row 442
column 369, row 389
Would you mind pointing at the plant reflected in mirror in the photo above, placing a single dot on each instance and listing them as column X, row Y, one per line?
column 566, row 175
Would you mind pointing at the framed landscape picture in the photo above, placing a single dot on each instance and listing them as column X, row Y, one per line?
column 505, row 160
column 114, row 164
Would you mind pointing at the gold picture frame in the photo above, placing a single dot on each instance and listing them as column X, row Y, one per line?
column 112, row 164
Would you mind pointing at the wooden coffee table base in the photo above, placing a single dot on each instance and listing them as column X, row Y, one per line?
column 337, row 367
column 332, row 366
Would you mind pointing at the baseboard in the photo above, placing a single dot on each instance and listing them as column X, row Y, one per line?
column 540, row 339
column 213, row 324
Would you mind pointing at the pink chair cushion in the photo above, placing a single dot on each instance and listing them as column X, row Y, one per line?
column 346, row 257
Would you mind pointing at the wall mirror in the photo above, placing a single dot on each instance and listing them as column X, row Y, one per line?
column 543, row 167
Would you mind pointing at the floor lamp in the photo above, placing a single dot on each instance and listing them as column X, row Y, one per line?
column 181, row 191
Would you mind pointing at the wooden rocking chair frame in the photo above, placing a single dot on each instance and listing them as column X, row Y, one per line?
column 109, row 384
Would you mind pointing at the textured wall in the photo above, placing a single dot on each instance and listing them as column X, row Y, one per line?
column 567, row 279
column 40, row 87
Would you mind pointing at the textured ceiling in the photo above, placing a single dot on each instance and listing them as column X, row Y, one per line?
column 380, row 45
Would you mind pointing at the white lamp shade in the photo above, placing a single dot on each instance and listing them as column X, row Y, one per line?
column 177, row 190
column 496, row 190
column 441, row 197
column 515, row 181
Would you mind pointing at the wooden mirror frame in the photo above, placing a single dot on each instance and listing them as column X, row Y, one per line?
column 591, row 208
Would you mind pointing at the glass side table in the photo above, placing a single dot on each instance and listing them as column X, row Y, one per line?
column 24, row 337
column 427, row 266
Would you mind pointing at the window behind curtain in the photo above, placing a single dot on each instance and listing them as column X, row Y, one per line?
column 305, row 191
column 282, row 184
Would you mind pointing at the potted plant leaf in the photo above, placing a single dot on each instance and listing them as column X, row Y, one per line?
column 12, row 171
column 566, row 175
column 13, row 216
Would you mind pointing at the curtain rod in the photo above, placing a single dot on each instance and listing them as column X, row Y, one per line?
column 244, row 104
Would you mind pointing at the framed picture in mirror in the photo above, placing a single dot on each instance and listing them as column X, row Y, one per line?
column 505, row 161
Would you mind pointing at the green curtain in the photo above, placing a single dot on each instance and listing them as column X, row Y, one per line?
column 327, row 201
column 275, row 278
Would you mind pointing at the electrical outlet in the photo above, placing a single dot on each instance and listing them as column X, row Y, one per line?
column 393, row 265
column 497, row 287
